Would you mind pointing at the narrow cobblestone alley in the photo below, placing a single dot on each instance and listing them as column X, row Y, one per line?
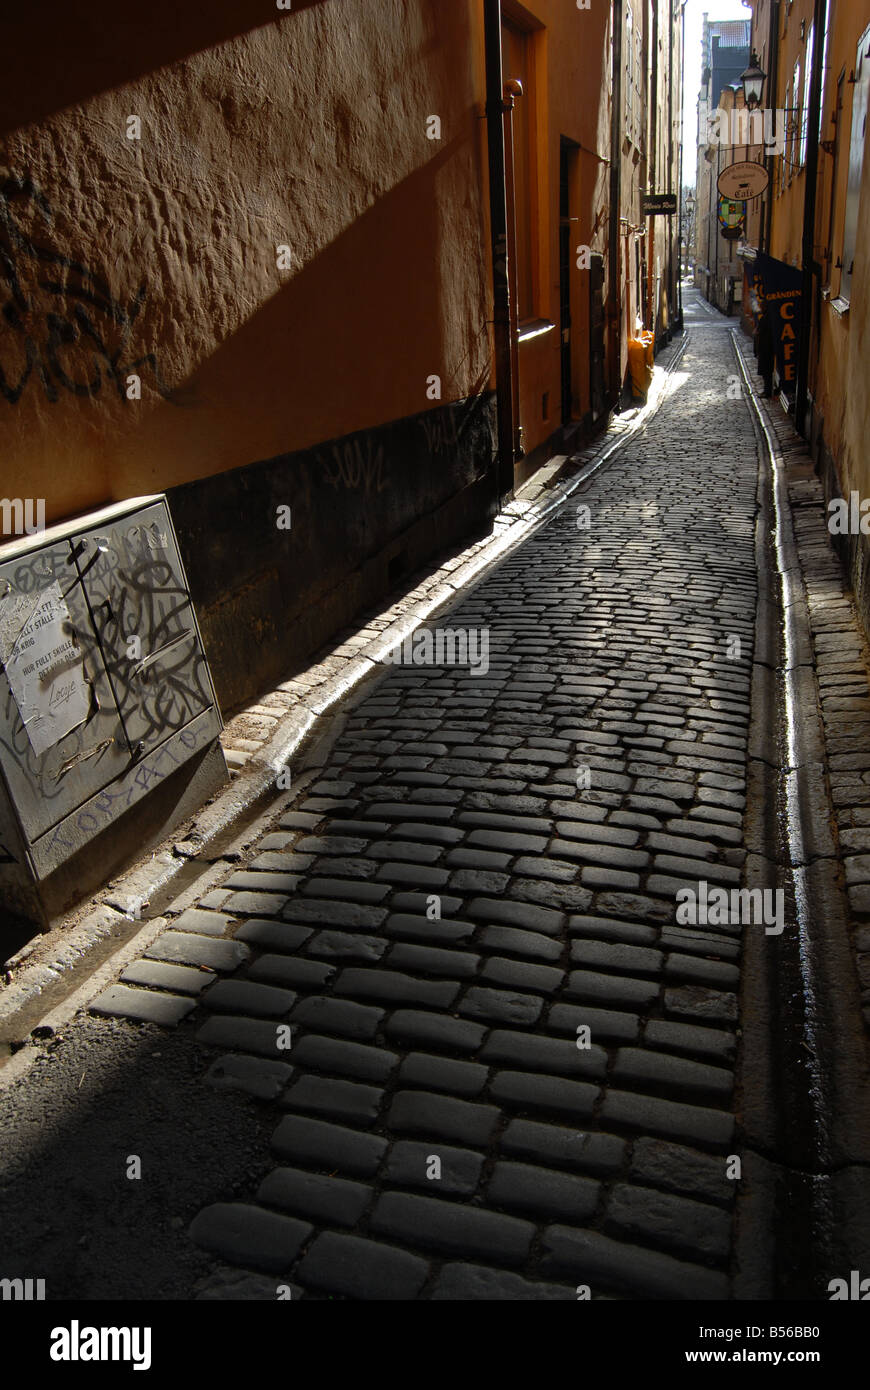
column 553, row 806
column 512, row 1071
column 435, row 701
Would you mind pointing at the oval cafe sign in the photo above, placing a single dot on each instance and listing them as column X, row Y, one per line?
column 742, row 181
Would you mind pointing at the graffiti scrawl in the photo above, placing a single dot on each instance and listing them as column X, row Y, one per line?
column 61, row 328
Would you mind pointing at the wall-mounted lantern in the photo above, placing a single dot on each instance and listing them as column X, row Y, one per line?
column 753, row 82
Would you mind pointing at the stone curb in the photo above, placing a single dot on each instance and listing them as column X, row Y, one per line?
column 56, row 1018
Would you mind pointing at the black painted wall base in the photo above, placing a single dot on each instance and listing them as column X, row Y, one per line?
column 272, row 585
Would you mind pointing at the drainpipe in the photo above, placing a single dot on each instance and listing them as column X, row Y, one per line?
column 615, row 345
column 810, row 179
column 628, row 324
column 773, row 50
column 714, row 222
column 680, row 172
column 499, row 225
column 651, row 43
column 673, row 313
column 511, row 90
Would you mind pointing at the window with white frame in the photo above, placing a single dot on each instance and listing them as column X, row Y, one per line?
column 804, row 115
column 795, row 120
column 629, row 72
column 856, row 161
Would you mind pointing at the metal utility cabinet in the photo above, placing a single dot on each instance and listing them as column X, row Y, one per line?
column 108, row 719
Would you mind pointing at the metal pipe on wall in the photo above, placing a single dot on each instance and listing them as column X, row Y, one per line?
column 772, row 80
column 509, row 92
column 682, row 115
column 651, row 44
column 810, row 178
column 499, row 232
column 614, row 318
column 672, row 286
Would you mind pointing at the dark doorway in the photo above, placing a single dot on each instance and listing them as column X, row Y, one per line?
column 596, row 337
column 567, row 160
column 641, row 280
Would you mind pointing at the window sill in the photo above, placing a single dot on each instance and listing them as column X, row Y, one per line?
column 533, row 328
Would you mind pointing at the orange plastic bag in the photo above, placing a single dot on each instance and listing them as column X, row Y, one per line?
column 640, row 363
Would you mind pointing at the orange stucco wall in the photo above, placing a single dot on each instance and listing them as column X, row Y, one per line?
column 260, row 128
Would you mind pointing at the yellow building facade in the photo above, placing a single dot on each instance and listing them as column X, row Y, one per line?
column 815, row 218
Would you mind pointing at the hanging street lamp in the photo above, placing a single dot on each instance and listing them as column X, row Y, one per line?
column 753, row 82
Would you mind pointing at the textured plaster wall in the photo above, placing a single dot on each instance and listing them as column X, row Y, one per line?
column 838, row 378
column 157, row 256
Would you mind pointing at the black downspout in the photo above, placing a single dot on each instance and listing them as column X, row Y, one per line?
column 669, row 155
column 810, row 178
column 654, row 174
column 772, row 80
column 680, row 166
column 714, row 224
column 498, row 221
column 615, row 317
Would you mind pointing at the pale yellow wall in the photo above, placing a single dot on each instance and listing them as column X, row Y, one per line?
column 839, row 359
column 839, row 379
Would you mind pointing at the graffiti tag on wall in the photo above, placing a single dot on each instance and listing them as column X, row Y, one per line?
column 61, row 328
column 357, row 462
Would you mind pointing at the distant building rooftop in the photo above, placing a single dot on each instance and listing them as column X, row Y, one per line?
column 731, row 33
column 724, row 54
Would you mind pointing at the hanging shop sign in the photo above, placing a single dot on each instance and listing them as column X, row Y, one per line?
column 731, row 212
column 742, row 181
column 657, row 204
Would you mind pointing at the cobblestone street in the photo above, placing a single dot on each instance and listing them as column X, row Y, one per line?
column 435, row 699
column 458, row 1038
column 511, row 1068
column 448, row 907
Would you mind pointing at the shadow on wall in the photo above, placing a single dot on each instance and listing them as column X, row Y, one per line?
column 326, row 338
column 348, row 342
column 103, row 44
column 357, row 329
column 122, row 274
